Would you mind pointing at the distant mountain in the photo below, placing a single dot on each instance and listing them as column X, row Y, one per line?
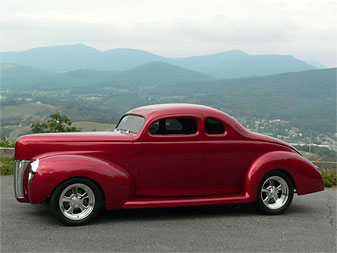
column 79, row 56
column 235, row 63
column 18, row 76
column 149, row 74
column 125, row 58
column 317, row 64
column 160, row 73
column 55, row 58
column 230, row 64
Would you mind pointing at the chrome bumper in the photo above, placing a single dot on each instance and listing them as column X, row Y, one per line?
column 19, row 171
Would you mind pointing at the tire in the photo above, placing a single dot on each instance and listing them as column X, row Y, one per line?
column 275, row 193
column 76, row 201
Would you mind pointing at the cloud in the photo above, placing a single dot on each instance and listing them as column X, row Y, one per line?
column 306, row 29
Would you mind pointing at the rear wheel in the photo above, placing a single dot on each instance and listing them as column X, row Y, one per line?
column 275, row 193
column 76, row 201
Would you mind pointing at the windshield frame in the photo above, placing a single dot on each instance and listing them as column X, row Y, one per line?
column 131, row 114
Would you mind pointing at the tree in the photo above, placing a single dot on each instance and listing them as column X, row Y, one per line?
column 57, row 123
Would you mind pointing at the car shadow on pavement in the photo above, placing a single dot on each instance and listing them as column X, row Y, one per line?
column 42, row 211
column 190, row 212
column 167, row 213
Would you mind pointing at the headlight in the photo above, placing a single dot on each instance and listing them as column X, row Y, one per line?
column 33, row 168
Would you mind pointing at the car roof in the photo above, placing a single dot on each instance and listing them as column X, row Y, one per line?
column 174, row 108
column 153, row 111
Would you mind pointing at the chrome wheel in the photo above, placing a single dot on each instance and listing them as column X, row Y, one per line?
column 274, row 192
column 77, row 201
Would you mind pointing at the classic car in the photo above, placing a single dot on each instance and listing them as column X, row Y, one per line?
column 160, row 156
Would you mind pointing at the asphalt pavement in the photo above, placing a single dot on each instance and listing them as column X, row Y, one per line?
column 308, row 226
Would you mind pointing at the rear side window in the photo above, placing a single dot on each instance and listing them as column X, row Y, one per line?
column 174, row 126
column 214, row 126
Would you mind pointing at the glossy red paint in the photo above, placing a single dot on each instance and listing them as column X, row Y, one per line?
column 180, row 158
column 187, row 201
column 144, row 170
column 116, row 183
column 306, row 177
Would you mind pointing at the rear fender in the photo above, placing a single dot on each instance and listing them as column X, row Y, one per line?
column 115, row 182
column 306, row 177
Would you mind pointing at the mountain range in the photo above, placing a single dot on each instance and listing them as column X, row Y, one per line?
column 153, row 73
column 229, row 64
column 87, row 84
column 307, row 99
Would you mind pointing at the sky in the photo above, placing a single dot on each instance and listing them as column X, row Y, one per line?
column 306, row 29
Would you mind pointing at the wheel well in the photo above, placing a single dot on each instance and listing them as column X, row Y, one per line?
column 291, row 178
column 88, row 178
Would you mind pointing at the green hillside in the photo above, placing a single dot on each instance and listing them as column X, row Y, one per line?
column 84, row 126
column 306, row 99
column 302, row 102
column 159, row 73
column 21, row 77
column 153, row 73
column 88, row 126
column 26, row 110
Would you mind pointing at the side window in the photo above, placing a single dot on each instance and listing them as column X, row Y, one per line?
column 213, row 126
column 174, row 126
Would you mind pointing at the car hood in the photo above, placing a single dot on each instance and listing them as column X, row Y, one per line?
column 112, row 144
column 77, row 137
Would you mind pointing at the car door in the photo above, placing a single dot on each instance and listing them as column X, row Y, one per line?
column 172, row 157
column 226, row 158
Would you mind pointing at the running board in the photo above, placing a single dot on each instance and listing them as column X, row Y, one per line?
column 151, row 202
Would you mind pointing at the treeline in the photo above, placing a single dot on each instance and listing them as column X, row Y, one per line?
column 325, row 154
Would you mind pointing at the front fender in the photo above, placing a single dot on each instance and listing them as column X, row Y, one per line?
column 115, row 182
column 306, row 176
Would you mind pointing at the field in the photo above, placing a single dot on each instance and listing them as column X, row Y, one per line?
column 17, row 132
column 87, row 126
column 84, row 126
column 25, row 110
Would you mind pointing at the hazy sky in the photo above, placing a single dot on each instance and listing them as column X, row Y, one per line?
column 176, row 28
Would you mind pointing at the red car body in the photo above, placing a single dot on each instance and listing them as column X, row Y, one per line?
column 144, row 170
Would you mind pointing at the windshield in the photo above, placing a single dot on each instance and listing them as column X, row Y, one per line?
column 131, row 123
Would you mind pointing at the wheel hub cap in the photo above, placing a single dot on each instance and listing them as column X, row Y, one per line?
column 77, row 201
column 274, row 192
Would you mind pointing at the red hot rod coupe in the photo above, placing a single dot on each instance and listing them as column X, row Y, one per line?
column 160, row 156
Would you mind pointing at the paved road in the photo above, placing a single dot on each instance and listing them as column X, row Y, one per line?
column 308, row 226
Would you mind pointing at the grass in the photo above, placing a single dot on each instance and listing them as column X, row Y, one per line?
column 5, row 143
column 330, row 179
column 7, row 168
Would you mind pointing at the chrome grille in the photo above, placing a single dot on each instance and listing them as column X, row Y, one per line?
column 19, row 171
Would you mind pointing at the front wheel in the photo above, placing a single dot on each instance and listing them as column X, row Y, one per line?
column 76, row 201
column 275, row 193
